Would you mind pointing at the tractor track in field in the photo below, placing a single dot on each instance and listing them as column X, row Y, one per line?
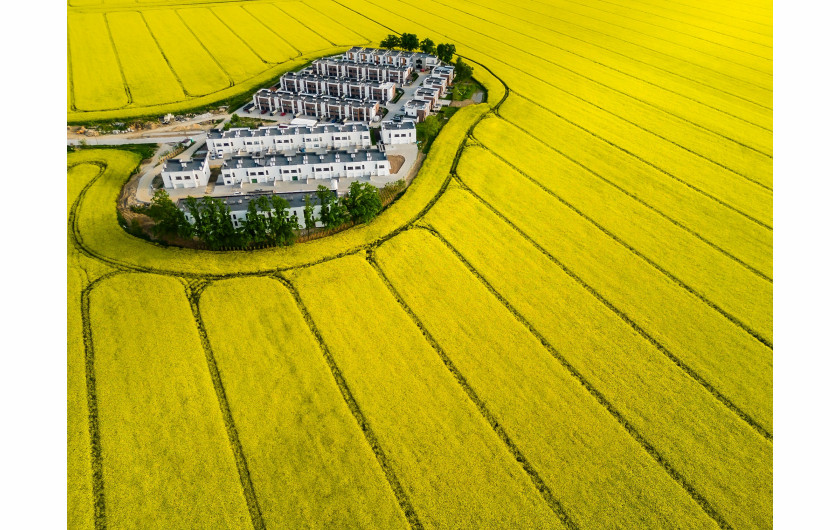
column 548, row 496
column 659, row 268
column 704, row 504
column 554, row 87
column 641, row 201
column 661, row 170
column 531, row 36
column 593, row 81
column 193, row 290
column 622, row 316
column 238, row 36
column 371, row 438
column 119, row 61
column 691, row 35
column 304, row 25
column 97, row 478
column 177, row 14
column 165, row 58
column 651, row 65
column 269, row 28
column 601, row 22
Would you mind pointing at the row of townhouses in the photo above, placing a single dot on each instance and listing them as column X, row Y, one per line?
column 281, row 138
column 391, row 57
column 342, row 67
column 321, row 106
column 259, row 169
column 238, row 205
column 306, row 82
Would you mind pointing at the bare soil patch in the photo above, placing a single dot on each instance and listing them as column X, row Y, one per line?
column 397, row 162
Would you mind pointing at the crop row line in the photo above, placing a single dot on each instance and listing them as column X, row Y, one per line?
column 634, row 58
column 728, row 15
column 616, row 69
column 594, row 392
column 548, row 496
column 635, row 98
column 554, row 87
column 206, row 49
column 397, row 489
column 269, row 28
column 639, row 200
column 726, row 314
column 697, row 26
column 345, row 26
column 654, row 166
column 97, row 477
column 713, row 20
column 683, row 32
column 303, row 25
column 600, row 22
column 627, row 320
column 193, row 292
column 163, row 54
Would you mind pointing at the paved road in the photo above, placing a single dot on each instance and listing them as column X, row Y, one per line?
column 198, row 136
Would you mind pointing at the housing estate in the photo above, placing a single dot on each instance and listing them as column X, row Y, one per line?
column 293, row 138
column 320, row 106
column 238, row 205
column 399, row 132
column 192, row 173
column 325, row 164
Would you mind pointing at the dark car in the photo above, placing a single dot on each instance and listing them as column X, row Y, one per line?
column 265, row 111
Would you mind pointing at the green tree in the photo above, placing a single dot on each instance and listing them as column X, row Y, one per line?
column 282, row 223
column 308, row 212
column 409, row 42
column 427, row 46
column 169, row 219
column 213, row 224
column 362, row 202
column 390, row 42
column 445, row 52
column 463, row 71
column 333, row 212
column 255, row 226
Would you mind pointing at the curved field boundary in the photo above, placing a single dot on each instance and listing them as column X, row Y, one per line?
column 419, row 198
column 547, row 495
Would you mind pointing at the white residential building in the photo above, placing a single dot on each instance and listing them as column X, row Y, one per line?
column 394, row 133
column 434, row 82
column 391, row 57
column 311, row 83
column 341, row 67
column 322, row 107
column 238, row 205
column 281, row 138
column 193, row 173
column 258, row 169
column 446, row 72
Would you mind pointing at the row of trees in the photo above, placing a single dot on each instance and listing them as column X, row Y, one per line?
column 268, row 220
column 409, row 42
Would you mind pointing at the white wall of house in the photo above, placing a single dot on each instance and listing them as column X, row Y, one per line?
column 399, row 136
column 315, row 168
column 185, row 178
column 301, row 137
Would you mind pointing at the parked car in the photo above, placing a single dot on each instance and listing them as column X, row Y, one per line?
column 264, row 111
column 282, row 113
column 237, row 193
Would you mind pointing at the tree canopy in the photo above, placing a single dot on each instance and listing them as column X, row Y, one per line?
column 390, row 42
column 362, row 202
column 445, row 52
column 463, row 71
column 427, row 46
column 409, row 42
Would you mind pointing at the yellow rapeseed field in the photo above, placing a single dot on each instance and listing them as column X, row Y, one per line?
column 565, row 321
